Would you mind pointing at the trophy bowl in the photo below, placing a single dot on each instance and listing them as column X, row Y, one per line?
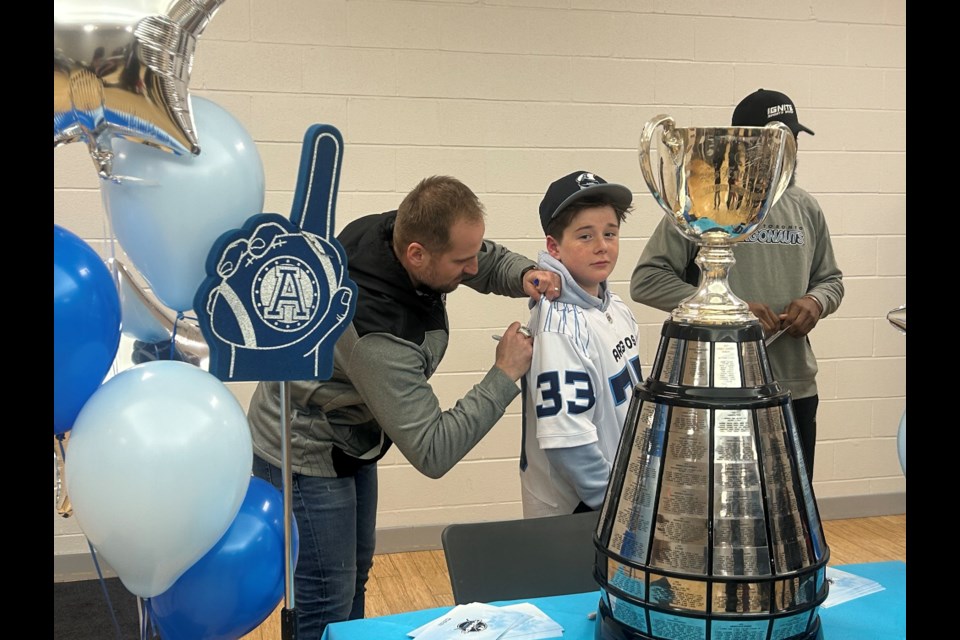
column 717, row 184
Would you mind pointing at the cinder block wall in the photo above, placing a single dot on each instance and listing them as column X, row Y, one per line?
column 507, row 95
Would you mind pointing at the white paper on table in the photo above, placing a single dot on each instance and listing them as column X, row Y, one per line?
column 537, row 624
column 845, row 586
column 482, row 621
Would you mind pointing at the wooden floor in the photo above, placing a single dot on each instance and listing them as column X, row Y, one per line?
column 402, row 582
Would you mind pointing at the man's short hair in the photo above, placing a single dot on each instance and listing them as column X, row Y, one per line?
column 430, row 210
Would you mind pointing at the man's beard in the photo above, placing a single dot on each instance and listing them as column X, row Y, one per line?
column 445, row 288
column 441, row 287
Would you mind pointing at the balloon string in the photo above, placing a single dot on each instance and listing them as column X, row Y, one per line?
column 147, row 629
column 58, row 487
column 115, row 272
column 108, row 227
column 103, row 586
column 173, row 336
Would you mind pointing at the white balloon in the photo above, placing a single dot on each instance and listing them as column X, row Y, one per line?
column 159, row 463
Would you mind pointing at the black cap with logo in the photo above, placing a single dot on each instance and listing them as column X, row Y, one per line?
column 575, row 186
column 763, row 106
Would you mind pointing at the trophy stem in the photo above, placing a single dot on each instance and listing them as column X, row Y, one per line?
column 713, row 302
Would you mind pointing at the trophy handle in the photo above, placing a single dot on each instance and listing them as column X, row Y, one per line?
column 670, row 139
column 898, row 318
column 788, row 159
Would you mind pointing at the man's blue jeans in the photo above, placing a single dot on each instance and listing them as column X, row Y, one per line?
column 336, row 521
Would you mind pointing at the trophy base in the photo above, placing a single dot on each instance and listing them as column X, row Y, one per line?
column 709, row 529
column 608, row 628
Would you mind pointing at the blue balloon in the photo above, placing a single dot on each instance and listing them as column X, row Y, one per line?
column 233, row 588
column 86, row 325
column 168, row 210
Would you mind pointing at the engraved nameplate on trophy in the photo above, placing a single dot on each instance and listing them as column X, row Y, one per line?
column 670, row 370
column 741, row 597
column 632, row 615
column 627, row 579
column 726, row 365
column 741, row 561
column 752, row 370
column 678, row 593
column 683, row 528
column 696, row 365
column 751, row 532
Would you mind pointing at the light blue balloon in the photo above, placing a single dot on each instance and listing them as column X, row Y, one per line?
column 902, row 442
column 158, row 465
column 168, row 210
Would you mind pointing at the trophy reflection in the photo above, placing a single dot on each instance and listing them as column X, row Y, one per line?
column 709, row 528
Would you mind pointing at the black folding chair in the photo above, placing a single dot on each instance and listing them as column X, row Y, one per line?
column 516, row 559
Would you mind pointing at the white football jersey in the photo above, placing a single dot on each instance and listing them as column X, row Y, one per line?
column 586, row 363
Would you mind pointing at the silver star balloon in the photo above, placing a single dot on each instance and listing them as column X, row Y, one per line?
column 122, row 68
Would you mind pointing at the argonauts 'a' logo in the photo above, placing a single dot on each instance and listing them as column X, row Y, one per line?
column 286, row 293
column 277, row 293
column 280, row 289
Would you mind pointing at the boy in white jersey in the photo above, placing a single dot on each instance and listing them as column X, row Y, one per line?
column 586, row 361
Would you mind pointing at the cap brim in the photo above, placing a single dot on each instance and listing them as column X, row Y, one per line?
column 800, row 128
column 617, row 192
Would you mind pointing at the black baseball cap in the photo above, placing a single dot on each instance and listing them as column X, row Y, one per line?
column 763, row 106
column 575, row 186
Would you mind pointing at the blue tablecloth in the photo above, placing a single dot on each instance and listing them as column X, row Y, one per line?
column 878, row 616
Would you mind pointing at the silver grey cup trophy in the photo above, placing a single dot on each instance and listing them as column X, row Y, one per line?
column 717, row 185
column 709, row 529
